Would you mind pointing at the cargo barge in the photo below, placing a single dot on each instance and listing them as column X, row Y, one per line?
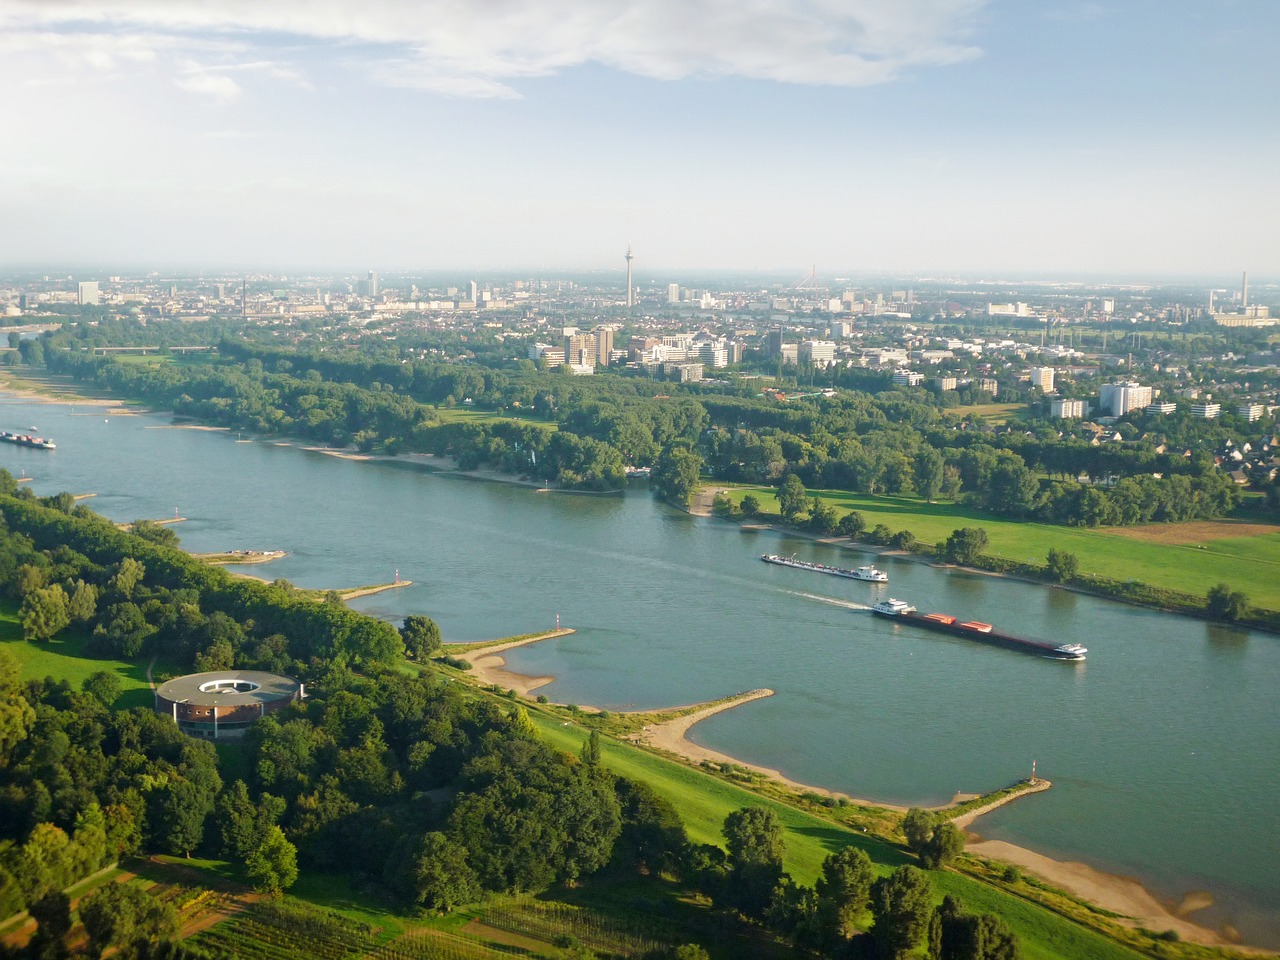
column 903, row 612
column 27, row 440
column 862, row 573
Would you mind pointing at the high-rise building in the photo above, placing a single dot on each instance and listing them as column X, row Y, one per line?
column 1042, row 377
column 87, row 293
column 1121, row 398
column 774, row 342
column 373, row 283
column 604, row 345
column 673, row 293
column 580, row 350
column 631, row 300
column 474, row 291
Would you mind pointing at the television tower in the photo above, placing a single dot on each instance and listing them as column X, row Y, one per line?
column 631, row 300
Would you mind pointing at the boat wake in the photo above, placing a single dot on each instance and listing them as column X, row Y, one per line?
column 847, row 604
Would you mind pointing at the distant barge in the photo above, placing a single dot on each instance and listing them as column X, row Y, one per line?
column 903, row 612
column 862, row 573
column 27, row 440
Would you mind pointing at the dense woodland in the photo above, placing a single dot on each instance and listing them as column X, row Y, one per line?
column 420, row 789
column 588, row 430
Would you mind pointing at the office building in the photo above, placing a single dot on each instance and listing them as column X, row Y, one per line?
column 87, row 293
column 821, row 352
column 673, row 293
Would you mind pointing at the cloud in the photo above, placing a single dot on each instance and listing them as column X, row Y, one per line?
column 482, row 48
column 207, row 82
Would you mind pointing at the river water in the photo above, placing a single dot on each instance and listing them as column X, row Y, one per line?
column 1164, row 747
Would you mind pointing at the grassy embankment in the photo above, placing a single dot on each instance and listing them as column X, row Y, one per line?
column 702, row 800
column 1248, row 563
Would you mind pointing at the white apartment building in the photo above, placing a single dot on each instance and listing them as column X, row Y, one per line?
column 817, row 351
column 1250, row 411
column 908, row 378
column 1121, row 398
column 1042, row 377
column 1067, row 409
column 1207, row 409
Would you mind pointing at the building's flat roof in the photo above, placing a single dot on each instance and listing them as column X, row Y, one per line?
column 270, row 687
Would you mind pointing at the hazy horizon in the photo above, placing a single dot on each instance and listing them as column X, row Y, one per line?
column 905, row 137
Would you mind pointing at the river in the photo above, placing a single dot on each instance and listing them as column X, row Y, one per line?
column 1164, row 747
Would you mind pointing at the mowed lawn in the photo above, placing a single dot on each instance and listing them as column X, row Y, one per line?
column 472, row 415
column 63, row 659
column 704, row 801
column 1250, row 564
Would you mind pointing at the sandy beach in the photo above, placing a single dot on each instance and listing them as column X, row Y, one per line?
column 487, row 664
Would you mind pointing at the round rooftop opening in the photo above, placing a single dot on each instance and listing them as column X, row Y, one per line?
column 228, row 686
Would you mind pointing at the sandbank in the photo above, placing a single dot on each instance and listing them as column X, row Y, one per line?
column 487, row 665
column 1135, row 904
column 47, row 389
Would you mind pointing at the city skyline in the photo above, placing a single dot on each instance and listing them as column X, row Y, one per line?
column 937, row 136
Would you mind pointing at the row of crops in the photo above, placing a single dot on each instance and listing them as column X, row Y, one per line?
column 557, row 922
column 282, row 930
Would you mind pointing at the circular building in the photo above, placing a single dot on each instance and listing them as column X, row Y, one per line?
column 222, row 703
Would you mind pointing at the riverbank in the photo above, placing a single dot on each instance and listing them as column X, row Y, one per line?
column 1134, row 905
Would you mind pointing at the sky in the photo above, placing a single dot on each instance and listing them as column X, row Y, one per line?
column 927, row 137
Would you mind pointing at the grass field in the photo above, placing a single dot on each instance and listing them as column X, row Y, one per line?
column 704, row 801
column 1249, row 563
column 64, row 659
column 994, row 412
column 472, row 415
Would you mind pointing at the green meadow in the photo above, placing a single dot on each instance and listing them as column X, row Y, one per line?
column 63, row 659
column 1250, row 564
column 472, row 415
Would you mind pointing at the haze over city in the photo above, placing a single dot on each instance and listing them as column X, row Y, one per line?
column 1126, row 138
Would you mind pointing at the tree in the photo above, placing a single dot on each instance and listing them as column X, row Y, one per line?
column 1222, row 603
column 750, row 505
column 44, row 613
column 104, row 686
column 722, row 505
column 82, row 603
column 421, row 637
column 917, row 827
column 16, row 714
column 901, row 905
column 52, row 914
column 591, row 749
column 822, row 517
column 852, row 524
column 122, row 914
column 955, row 934
column 791, row 498
column 927, row 472
column 158, row 533
column 965, row 545
column 243, row 824
column 753, row 837
column 441, row 878
column 128, row 575
column 273, row 867
column 945, row 845
column 843, row 892
column 675, row 474
column 1061, row 566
